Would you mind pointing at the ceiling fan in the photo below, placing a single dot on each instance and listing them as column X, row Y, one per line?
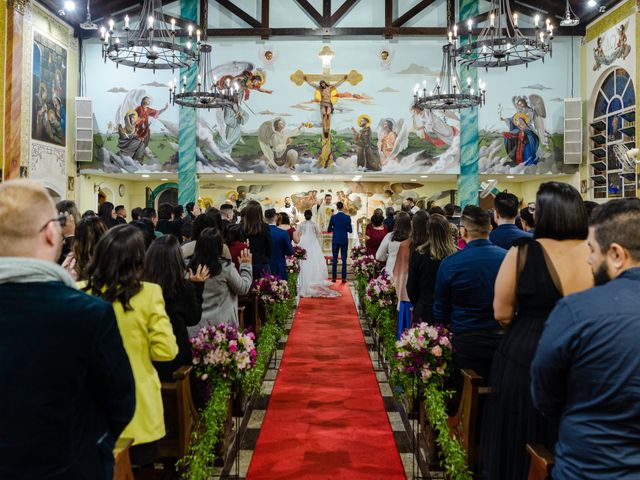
column 88, row 24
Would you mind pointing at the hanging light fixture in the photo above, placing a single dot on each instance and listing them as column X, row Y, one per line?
column 502, row 43
column 208, row 93
column 151, row 44
column 448, row 93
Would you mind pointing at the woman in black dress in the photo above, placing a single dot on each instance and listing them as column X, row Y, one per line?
column 164, row 265
column 423, row 266
column 547, row 267
column 259, row 238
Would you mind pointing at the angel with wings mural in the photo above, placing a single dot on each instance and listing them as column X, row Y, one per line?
column 393, row 138
column 534, row 108
column 521, row 142
column 241, row 74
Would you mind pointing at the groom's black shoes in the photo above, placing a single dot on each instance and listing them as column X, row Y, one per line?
column 333, row 280
column 344, row 280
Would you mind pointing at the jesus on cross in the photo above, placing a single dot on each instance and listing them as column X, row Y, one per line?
column 326, row 91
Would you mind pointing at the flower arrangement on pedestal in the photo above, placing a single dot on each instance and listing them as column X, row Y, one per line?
column 274, row 294
column 293, row 269
column 381, row 292
column 222, row 351
column 366, row 266
column 299, row 253
column 424, row 357
column 357, row 252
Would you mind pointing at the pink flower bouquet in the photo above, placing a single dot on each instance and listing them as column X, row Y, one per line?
column 425, row 350
column 271, row 289
column 381, row 291
column 222, row 350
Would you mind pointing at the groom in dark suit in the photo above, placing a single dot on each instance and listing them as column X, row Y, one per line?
column 340, row 226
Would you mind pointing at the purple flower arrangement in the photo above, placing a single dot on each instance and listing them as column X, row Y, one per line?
column 425, row 350
column 357, row 252
column 299, row 253
column 293, row 264
column 365, row 266
column 381, row 292
column 222, row 350
column 271, row 289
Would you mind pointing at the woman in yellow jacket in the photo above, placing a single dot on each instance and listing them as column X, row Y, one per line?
column 114, row 275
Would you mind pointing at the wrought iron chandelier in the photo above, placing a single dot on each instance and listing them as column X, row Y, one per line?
column 209, row 93
column 502, row 43
column 151, row 44
column 448, row 94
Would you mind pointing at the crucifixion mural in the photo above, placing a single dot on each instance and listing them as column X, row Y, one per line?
column 326, row 94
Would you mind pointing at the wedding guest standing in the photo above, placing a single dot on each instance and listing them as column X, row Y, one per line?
column 164, row 266
column 545, row 268
column 107, row 212
column 464, row 296
column 259, row 237
column 285, row 224
column 587, row 366
column 423, row 267
column 236, row 240
column 220, row 291
column 280, row 246
column 67, row 388
column 388, row 250
column 506, row 211
column 114, row 275
column 88, row 233
column 375, row 233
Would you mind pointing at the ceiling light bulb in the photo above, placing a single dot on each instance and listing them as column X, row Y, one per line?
column 592, row 3
column 69, row 6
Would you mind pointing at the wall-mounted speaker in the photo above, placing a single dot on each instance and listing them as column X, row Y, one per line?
column 84, row 130
column 573, row 131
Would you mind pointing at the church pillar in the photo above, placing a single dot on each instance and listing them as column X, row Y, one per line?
column 468, row 179
column 187, row 177
column 11, row 29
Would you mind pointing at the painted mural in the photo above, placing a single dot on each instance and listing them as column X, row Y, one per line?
column 348, row 114
column 48, row 119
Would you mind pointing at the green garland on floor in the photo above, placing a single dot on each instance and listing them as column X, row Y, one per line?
column 279, row 312
column 453, row 455
column 293, row 285
column 267, row 344
column 198, row 464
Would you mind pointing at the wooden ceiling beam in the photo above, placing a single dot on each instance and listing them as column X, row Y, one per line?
column 412, row 12
column 346, row 6
column 312, row 12
column 238, row 12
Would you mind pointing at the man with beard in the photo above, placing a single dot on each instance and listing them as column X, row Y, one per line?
column 587, row 367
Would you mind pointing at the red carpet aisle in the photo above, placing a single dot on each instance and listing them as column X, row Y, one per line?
column 326, row 418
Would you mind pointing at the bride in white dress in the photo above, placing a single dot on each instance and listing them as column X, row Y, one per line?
column 313, row 271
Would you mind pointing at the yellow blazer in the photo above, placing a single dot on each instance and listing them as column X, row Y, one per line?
column 147, row 336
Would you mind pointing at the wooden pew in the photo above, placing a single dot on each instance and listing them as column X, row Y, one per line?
column 251, row 316
column 465, row 424
column 122, row 468
column 541, row 462
column 241, row 310
column 179, row 415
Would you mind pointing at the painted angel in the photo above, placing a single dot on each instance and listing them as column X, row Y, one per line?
column 241, row 74
column 432, row 128
column 274, row 140
column 534, row 108
column 393, row 138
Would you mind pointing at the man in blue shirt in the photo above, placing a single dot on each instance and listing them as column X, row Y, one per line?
column 464, row 294
column 587, row 367
column 280, row 246
column 506, row 207
column 340, row 226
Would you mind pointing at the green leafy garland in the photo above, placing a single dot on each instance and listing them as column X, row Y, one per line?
column 453, row 455
column 267, row 344
column 293, row 285
column 198, row 464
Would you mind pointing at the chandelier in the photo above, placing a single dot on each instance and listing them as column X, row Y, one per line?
column 502, row 43
column 209, row 93
column 449, row 93
column 151, row 44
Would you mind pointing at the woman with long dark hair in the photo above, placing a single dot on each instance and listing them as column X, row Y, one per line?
column 164, row 266
column 419, row 225
column 197, row 226
column 88, row 232
column 115, row 274
column 546, row 267
column 395, row 249
column 375, row 233
column 106, row 211
column 220, row 291
column 424, row 263
column 258, row 236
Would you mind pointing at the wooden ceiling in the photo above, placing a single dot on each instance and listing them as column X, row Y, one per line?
column 326, row 21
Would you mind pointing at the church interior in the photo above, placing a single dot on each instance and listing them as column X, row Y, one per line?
column 147, row 102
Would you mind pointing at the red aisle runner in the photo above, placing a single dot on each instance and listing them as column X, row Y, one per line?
column 326, row 418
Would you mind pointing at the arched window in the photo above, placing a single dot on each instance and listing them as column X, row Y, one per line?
column 613, row 133
column 169, row 195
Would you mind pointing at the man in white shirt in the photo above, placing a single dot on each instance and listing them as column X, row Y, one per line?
column 324, row 212
column 290, row 210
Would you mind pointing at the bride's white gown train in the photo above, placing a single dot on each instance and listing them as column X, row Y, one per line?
column 313, row 271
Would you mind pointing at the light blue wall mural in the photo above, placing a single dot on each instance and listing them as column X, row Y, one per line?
column 278, row 126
